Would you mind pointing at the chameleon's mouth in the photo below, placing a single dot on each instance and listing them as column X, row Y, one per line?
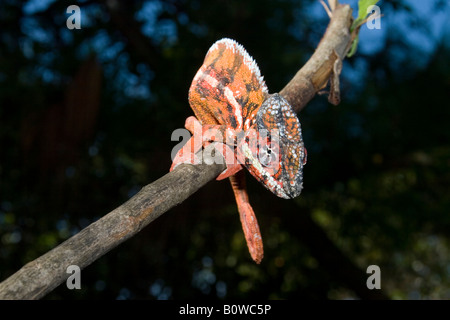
column 284, row 181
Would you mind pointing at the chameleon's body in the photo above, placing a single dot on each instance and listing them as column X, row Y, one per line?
column 228, row 94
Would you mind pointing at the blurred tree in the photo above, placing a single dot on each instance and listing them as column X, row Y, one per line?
column 86, row 117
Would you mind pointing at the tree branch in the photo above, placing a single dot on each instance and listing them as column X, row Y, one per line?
column 316, row 73
column 42, row 275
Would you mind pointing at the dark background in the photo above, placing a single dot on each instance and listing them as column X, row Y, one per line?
column 86, row 118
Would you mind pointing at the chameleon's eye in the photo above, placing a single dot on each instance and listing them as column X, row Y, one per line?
column 268, row 157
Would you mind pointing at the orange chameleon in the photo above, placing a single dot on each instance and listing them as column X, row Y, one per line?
column 235, row 113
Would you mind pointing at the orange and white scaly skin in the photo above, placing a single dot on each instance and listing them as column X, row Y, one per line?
column 228, row 94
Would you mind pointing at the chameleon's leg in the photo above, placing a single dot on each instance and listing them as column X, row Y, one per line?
column 204, row 135
column 227, row 149
column 188, row 153
column 227, row 154
column 248, row 218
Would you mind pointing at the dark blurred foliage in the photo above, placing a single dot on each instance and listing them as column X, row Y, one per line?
column 86, row 118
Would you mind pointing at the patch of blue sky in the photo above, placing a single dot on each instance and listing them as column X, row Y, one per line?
column 425, row 32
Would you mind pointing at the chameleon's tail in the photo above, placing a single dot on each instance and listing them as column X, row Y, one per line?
column 248, row 218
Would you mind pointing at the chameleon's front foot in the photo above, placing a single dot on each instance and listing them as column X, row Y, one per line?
column 188, row 153
column 204, row 136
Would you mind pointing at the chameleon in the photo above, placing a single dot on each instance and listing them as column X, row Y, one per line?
column 235, row 114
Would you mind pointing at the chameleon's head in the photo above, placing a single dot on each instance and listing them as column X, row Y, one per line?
column 281, row 153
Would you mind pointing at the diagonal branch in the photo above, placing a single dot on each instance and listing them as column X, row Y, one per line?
column 42, row 275
column 318, row 70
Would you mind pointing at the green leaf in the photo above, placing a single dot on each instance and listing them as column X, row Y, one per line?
column 363, row 6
